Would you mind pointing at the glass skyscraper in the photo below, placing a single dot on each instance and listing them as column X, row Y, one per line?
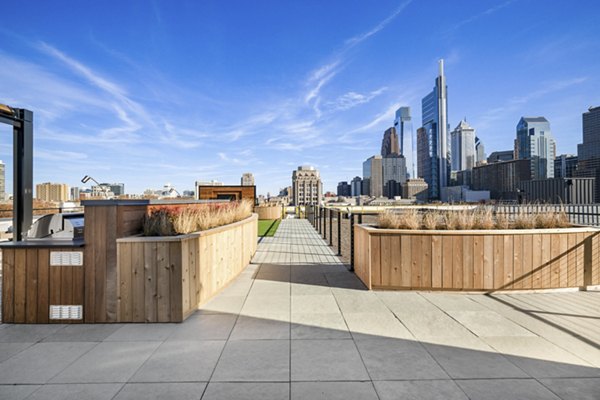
column 404, row 129
column 463, row 147
column 535, row 142
column 435, row 126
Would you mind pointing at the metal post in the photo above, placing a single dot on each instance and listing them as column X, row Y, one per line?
column 351, row 242
column 324, row 230
column 330, row 227
column 319, row 219
column 339, row 232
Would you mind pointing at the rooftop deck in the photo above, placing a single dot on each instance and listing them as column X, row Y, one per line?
column 296, row 324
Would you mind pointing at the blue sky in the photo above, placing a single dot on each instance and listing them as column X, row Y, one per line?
column 149, row 92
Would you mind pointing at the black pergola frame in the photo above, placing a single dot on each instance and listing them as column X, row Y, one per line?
column 22, row 123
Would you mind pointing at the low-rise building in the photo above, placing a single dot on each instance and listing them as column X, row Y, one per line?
column 558, row 190
column 52, row 191
column 415, row 189
column 501, row 178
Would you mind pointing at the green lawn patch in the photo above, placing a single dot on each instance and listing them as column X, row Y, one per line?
column 267, row 227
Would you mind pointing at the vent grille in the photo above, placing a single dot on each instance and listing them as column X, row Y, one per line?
column 66, row 258
column 66, row 312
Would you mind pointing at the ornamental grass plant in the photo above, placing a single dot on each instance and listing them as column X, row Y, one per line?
column 170, row 221
column 479, row 218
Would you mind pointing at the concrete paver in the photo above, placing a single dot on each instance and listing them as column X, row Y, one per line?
column 297, row 324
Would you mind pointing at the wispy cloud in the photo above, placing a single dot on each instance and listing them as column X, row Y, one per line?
column 323, row 74
column 516, row 103
column 353, row 41
column 480, row 15
column 352, row 99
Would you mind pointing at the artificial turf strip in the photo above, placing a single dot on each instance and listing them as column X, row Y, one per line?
column 267, row 227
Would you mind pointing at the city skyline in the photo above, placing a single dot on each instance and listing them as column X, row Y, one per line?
column 198, row 92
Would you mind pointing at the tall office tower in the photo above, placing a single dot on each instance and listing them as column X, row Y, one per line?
column 307, row 187
column 394, row 175
column 435, row 123
column 356, row 186
column 343, row 189
column 565, row 166
column 423, row 159
column 373, row 177
column 479, row 152
column 52, row 191
column 247, row 179
column 389, row 144
column 588, row 153
column 463, row 147
column 535, row 142
column 403, row 125
column 2, row 181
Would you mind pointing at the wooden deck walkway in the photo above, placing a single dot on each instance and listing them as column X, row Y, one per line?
column 297, row 324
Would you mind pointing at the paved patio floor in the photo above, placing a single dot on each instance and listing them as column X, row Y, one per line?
column 296, row 324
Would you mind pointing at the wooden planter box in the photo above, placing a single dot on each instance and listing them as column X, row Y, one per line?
column 165, row 279
column 273, row 212
column 477, row 259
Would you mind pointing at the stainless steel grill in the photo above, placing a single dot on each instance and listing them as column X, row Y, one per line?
column 58, row 226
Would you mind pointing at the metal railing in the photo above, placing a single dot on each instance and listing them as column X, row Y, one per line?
column 324, row 219
column 44, row 211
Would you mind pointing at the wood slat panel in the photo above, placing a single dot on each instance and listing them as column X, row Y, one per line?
column 546, row 262
column 176, row 281
column 8, row 285
column 507, row 263
column 125, row 282
column 580, row 258
column 43, row 309
column 54, row 287
column 375, row 260
column 163, row 275
column 98, row 247
column 527, row 262
column 405, row 263
column 31, row 286
column 478, row 262
column 138, row 283
column 66, row 285
column 415, row 261
column 386, row 260
column 447, row 262
column 498, row 261
column 150, row 296
column 468, row 265
column 396, row 264
column 426, row 259
column 185, row 275
column 518, row 262
column 555, row 261
column 572, row 260
column 436, row 262
column 488, row 262
column 20, row 285
column 78, row 288
column 563, row 262
column 89, row 304
column 111, row 275
column 457, row 262
column 537, row 263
